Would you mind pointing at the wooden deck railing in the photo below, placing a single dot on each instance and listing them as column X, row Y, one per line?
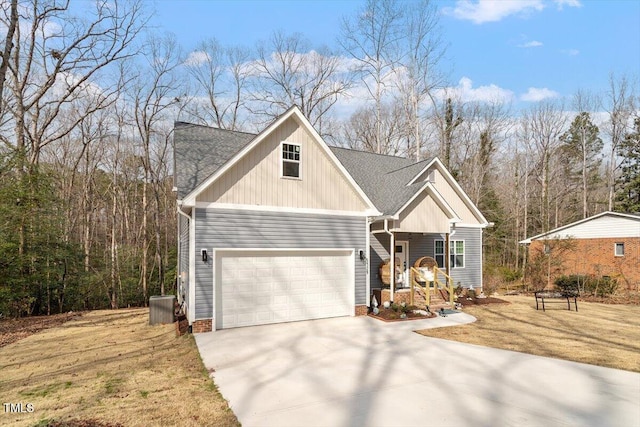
column 416, row 276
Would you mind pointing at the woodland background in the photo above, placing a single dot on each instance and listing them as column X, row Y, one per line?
column 90, row 95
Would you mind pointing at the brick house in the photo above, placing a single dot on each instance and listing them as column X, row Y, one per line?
column 606, row 244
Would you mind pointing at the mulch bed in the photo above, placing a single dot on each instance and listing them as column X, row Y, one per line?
column 389, row 315
column 12, row 330
column 473, row 301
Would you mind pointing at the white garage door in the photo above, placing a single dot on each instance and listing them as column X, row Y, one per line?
column 256, row 288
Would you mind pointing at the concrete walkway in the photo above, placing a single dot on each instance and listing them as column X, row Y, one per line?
column 358, row 371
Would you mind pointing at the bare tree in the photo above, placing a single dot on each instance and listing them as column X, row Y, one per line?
column 153, row 96
column 447, row 119
column 417, row 71
column 619, row 104
column 545, row 123
column 487, row 126
column 359, row 132
column 288, row 72
column 57, row 59
column 372, row 39
column 220, row 76
column 10, row 21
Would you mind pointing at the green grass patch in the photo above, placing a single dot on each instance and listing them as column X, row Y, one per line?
column 41, row 391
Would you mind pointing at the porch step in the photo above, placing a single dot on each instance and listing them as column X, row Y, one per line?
column 437, row 301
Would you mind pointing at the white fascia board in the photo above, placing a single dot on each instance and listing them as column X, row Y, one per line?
column 294, row 111
column 423, row 170
column 460, row 191
column 440, row 201
column 216, row 205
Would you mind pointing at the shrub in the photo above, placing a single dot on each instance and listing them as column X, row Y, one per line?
column 590, row 285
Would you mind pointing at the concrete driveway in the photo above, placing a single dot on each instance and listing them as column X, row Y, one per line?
column 358, row 371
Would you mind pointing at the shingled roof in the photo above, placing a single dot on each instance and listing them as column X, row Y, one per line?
column 199, row 151
column 383, row 178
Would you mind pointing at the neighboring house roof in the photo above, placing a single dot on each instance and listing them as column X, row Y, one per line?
column 602, row 225
column 199, row 151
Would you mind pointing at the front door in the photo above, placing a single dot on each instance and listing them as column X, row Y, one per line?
column 402, row 252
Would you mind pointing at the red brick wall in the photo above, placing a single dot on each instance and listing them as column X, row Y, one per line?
column 205, row 325
column 361, row 310
column 597, row 257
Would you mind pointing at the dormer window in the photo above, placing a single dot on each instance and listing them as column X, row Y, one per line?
column 290, row 160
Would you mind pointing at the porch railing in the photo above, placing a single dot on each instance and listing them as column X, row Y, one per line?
column 418, row 276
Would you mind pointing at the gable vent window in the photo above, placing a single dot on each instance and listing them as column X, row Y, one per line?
column 619, row 249
column 290, row 160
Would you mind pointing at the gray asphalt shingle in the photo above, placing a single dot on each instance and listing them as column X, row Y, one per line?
column 199, row 151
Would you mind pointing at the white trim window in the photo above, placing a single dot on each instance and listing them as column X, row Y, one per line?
column 291, row 160
column 619, row 249
column 438, row 252
column 456, row 253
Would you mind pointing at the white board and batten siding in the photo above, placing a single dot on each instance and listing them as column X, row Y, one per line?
column 423, row 215
column 218, row 229
column 606, row 226
column 256, row 178
column 454, row 200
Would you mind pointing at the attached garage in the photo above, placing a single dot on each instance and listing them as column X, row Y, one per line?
column 259, row 287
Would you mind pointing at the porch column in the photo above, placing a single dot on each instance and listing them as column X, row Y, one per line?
column 392, row 265
column 447, row 258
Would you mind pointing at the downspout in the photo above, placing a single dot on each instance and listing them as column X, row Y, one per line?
column 190, row 278
column 392, row 260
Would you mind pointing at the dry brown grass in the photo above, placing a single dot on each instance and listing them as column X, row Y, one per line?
column 110, row 366
column 599, row 334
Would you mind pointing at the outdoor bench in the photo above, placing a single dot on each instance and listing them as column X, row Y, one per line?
column 556, row 296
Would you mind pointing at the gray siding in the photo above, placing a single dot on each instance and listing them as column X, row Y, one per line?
column 421, row 245
column 379, row 252
column 183, row 259
column 471, row 274
column 224, row 229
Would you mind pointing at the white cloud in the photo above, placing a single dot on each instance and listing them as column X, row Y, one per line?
column 535, row 94
column 467, row 93
column 492, row 10
column 570, row 52
column 570, row 3
column 196, row 58
column 532, row 43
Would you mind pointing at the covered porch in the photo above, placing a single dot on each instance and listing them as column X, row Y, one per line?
column 422, row 267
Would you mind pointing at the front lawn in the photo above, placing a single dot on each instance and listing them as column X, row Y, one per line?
column 598, row 334
column 108, row 368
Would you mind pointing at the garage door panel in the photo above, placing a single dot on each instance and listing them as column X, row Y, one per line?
column 270, row 287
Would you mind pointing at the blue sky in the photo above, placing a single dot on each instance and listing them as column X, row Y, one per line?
column 523, row 50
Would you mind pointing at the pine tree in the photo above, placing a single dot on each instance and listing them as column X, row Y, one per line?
column 583, row 145
column 628, row 194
